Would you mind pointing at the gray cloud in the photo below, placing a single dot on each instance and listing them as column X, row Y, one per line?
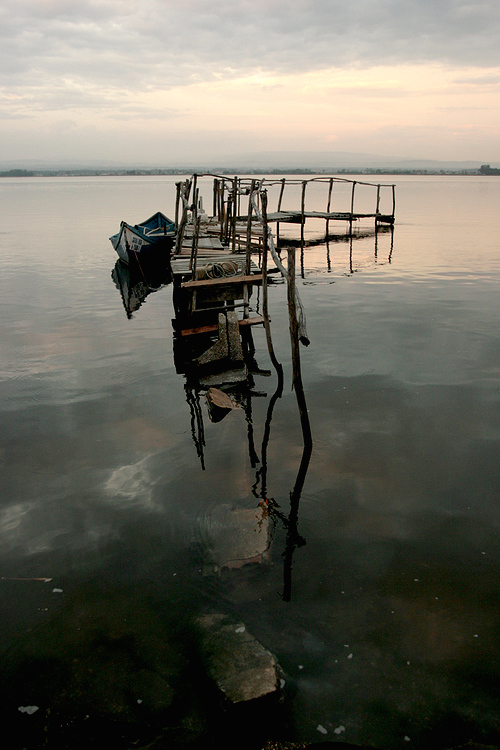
column 126, row 43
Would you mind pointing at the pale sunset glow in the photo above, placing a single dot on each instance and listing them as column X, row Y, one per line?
column 163, row 82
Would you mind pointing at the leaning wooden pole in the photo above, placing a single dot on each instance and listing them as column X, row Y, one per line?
column 301, row 318
column 265, row 296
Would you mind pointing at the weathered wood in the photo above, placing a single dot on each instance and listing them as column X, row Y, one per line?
column 255, row 278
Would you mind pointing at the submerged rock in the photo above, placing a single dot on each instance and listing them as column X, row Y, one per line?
column 241, row 667
column 236, row 537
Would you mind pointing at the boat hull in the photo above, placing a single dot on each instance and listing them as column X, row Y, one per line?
column 132, row 241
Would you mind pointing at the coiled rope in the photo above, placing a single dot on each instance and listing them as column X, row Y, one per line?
column 221, row 270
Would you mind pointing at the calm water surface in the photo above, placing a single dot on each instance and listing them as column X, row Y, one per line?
column 391, row 635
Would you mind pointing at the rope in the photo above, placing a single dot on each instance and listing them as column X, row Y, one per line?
column 221, row 270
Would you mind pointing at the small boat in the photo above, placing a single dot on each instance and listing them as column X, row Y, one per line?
column 132, row 240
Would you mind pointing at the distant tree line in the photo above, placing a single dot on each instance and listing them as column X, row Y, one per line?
column 486, row 169
column 17, row 173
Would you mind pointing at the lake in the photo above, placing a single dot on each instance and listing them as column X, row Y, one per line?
column 380, row 600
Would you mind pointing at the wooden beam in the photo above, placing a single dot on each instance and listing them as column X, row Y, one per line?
column 224, row 281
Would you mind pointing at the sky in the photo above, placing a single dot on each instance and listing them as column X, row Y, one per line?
column 166, row 82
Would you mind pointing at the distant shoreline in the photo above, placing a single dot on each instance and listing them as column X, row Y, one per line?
column 236, row 171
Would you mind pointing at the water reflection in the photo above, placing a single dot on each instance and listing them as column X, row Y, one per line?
column 215, row 384
column 137, row 279
column 324, row 251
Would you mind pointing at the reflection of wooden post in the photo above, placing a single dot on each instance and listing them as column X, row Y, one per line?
column 292, row 311
column 294, row 539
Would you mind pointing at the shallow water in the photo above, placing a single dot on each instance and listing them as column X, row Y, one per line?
column 392, row 628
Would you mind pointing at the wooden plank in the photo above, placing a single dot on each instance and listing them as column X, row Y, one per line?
column 226, row 280
column 258, row 320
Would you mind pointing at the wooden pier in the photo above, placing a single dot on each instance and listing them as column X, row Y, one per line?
column 220, row 258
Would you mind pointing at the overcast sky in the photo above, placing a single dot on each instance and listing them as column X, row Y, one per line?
column 169, row 81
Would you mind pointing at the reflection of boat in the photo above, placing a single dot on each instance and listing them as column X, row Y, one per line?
column 135, row 281
column 132, row 240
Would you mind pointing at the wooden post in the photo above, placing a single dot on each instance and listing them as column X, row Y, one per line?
column 235, row 211
column 393, row 202
column 265, row 298
column 328, row 205
column 302, row 217
column 352, row 207
column 195, row 193
column 215, row 201
column 184, row 194
column 222, row 210
column 282, row 190
column 249, row 230
column 194, row 245
column 177, row 201
column 265, row 241
column 278, row 209
column 227, row 217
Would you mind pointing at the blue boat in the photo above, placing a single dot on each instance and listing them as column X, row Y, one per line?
column 133, row 240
